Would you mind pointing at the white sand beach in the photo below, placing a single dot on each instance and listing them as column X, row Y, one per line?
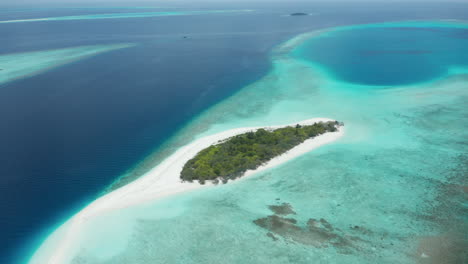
column 161, row 181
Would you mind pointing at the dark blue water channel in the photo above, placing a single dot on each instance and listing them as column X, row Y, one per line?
column 389, row 55
column 68, row 133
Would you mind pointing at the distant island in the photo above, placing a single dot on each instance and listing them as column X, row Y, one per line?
column 299, row 14
column 232, row 157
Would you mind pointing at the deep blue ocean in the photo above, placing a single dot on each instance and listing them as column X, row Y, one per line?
column 411, row 55
column 68, row 133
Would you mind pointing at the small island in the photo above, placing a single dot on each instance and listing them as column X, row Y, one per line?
column 299, row 14
column 231, row 158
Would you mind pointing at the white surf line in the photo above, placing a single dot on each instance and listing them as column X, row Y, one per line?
column 124, row 15
column 164, row 180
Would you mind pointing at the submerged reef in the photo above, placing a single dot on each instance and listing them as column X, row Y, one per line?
column 25, row 64
column 449, row 211
column 233, row 157
column 446, row 248
column 123, row 15
column 318, row 233
column 393, row 191
column 283, row 209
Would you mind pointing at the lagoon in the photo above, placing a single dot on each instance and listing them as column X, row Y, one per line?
column 389, row 191
column 388, row 55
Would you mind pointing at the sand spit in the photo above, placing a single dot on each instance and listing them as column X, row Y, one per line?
column 161, row 181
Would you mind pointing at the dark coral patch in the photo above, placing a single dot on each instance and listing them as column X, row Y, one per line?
column 283, row 209
column 317, row 233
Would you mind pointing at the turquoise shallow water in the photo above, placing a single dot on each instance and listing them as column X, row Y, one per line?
column 122, row 15
column 19, row 65
column 392, row 190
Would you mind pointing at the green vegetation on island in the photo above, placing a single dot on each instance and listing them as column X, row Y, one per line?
column 234, row 156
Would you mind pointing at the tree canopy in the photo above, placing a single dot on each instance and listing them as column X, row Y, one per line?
column 234, row 156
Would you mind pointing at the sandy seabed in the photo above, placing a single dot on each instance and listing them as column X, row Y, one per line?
column 162, row 181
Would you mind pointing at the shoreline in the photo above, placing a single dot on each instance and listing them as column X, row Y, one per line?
column 61, row 243
column 278, row 54
column 163, row 181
